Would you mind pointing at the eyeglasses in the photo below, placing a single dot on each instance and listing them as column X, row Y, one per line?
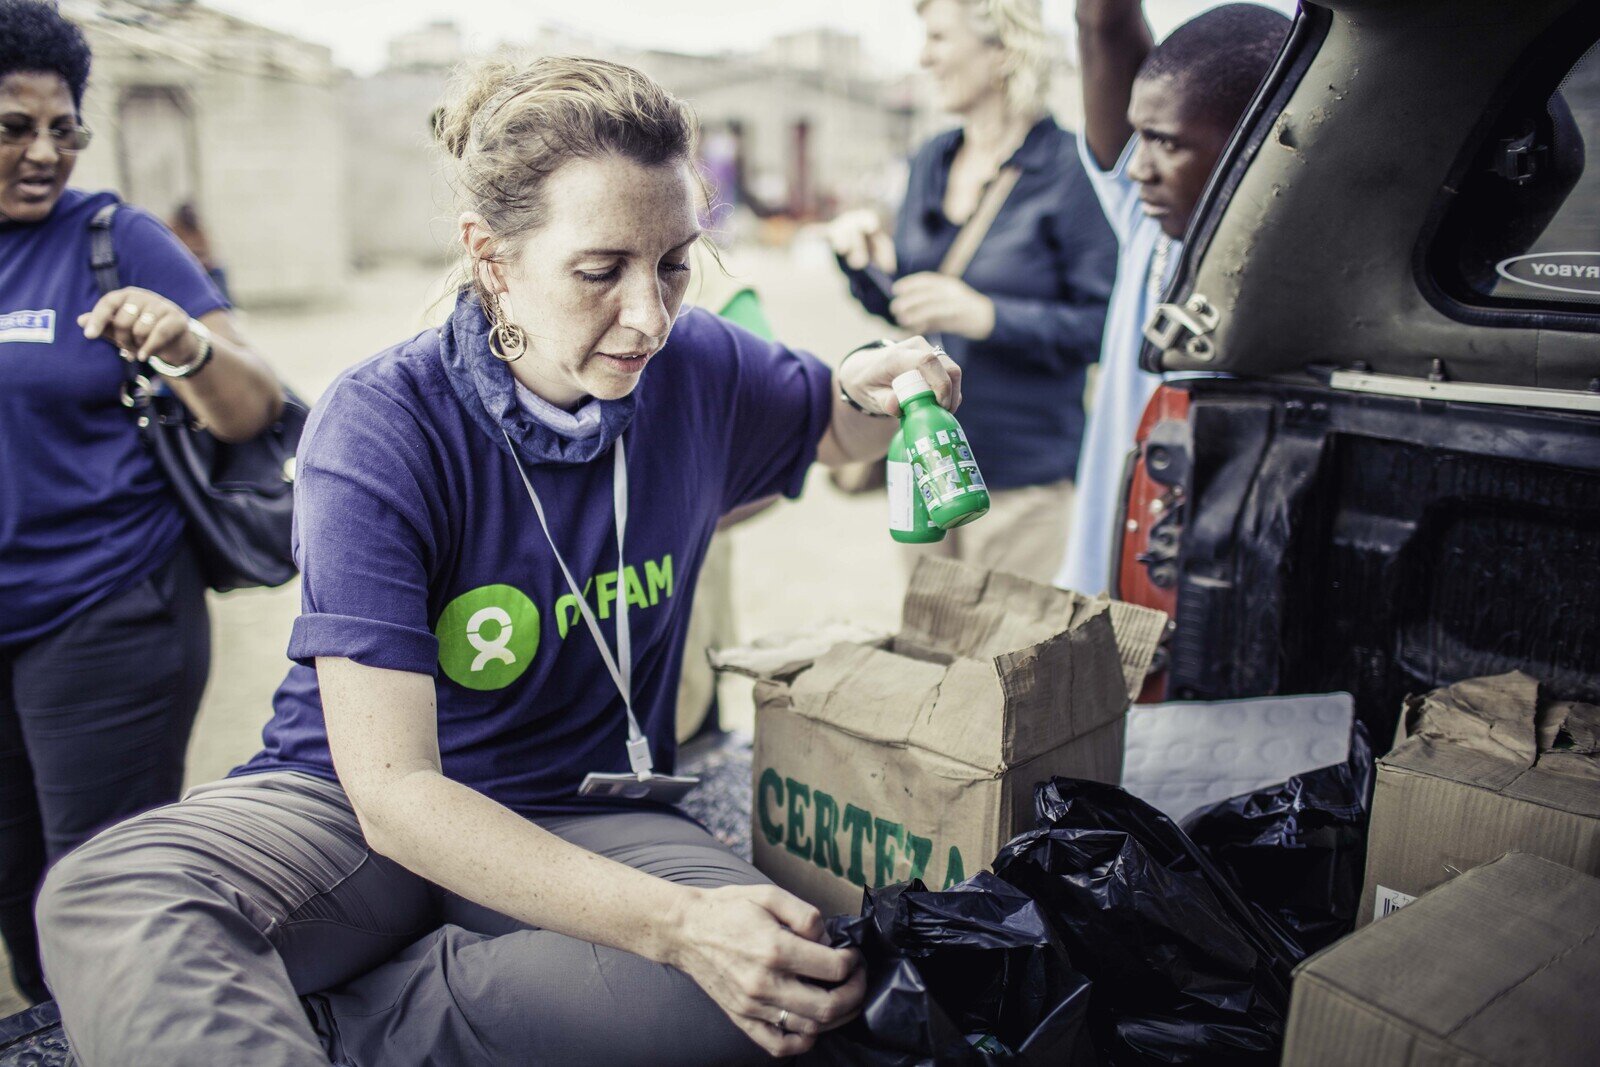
column 67, row 139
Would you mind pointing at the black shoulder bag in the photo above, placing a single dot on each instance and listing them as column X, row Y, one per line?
column 238, row 498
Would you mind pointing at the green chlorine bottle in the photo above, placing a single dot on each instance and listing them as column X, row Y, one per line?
column 946, row 476
column 908, row 515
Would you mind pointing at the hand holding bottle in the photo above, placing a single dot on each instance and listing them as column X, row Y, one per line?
column 867, row 374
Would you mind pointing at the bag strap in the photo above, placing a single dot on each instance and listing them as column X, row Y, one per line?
column 102, row 251
column 976, row 228
column 103, row 263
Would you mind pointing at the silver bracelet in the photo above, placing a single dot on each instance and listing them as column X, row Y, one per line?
column 202, row 337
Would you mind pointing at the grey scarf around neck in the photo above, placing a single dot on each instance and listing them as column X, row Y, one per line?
column 487, row 390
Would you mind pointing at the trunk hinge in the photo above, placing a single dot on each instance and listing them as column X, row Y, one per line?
column 1185, row 327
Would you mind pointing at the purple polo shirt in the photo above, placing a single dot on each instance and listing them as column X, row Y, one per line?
column 84, row 510
column 421, row 551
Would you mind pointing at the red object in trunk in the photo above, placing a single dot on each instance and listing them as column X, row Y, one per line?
column 1146, row 571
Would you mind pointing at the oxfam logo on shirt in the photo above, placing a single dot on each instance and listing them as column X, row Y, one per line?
column 488, row 636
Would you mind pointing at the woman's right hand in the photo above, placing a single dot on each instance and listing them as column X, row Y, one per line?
column 756, row 950
column 858, row 238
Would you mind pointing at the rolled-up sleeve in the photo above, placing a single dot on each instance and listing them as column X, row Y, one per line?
column 365, row 534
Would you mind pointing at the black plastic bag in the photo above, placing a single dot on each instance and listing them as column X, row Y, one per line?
column 1298, row 849
column 1184, row 971
column 34, row 1038
column 968, row 976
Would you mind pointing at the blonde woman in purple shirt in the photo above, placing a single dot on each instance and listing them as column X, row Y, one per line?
column 457, row 844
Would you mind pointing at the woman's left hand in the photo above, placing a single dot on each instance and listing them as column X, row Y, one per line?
column 937, row 303
column 868, row 374
column 142, row 324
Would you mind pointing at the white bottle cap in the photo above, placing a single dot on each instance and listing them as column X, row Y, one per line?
column 909, row 384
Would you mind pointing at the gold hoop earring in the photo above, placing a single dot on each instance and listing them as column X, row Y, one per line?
column 507, row 340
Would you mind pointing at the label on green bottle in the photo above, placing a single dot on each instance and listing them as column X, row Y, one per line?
column 900, row 485
column 945, row 468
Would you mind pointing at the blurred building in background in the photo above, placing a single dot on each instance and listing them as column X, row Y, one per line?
column 190, row 105
column 790, row 131
column 300, row 171
column 793, row 131
column 811, row 125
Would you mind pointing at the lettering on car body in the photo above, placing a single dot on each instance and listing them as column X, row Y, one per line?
column 1562, row 272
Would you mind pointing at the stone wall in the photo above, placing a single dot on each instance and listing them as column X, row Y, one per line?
column 400, row 204
column 187, row 103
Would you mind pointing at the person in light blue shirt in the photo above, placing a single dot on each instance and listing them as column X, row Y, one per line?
column 1156, row 119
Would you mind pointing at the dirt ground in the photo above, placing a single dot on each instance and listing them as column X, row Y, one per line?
column 826, row 556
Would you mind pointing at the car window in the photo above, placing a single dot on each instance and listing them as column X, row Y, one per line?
column 1524, row 231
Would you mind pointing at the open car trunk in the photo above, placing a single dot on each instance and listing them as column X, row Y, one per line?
column 1395, row 483
column 1384, row 546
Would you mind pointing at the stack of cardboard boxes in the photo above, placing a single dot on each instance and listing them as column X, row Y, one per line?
column 881, row 758
column 1482, row 768
column 1495, row 958
column 1498, row 966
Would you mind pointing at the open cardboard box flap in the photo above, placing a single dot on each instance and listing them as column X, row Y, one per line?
column 989, row 713
column 779, row 657
column 878, row 759
column 1499, row 733
column 956, row 611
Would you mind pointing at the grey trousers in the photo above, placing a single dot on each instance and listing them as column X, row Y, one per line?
column 191, row 933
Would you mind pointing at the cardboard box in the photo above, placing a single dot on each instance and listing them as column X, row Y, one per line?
column 1486, row 767
column 915, row 756
column 1500, row 966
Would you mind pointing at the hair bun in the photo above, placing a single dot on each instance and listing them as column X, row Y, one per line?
column 471, row 86
column 510, row 123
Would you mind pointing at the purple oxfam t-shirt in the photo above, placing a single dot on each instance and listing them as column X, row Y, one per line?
column 421, row 551
column 84, row 510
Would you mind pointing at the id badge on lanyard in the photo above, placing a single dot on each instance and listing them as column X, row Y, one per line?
column 643, row 783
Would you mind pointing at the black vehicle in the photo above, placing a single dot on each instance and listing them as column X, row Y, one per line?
column 1387, row 478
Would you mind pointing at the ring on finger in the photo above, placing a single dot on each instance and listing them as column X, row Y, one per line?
column 783, row 1020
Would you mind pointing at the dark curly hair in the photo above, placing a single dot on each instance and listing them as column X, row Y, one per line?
column 35, row 38
column 1216, row 59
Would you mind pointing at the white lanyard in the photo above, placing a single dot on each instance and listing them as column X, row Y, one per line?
column 620, row 665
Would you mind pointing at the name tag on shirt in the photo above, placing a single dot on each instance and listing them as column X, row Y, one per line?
column 34, row 327
column 661, row 788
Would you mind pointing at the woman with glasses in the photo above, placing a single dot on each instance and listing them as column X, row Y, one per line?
column 104, row 638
